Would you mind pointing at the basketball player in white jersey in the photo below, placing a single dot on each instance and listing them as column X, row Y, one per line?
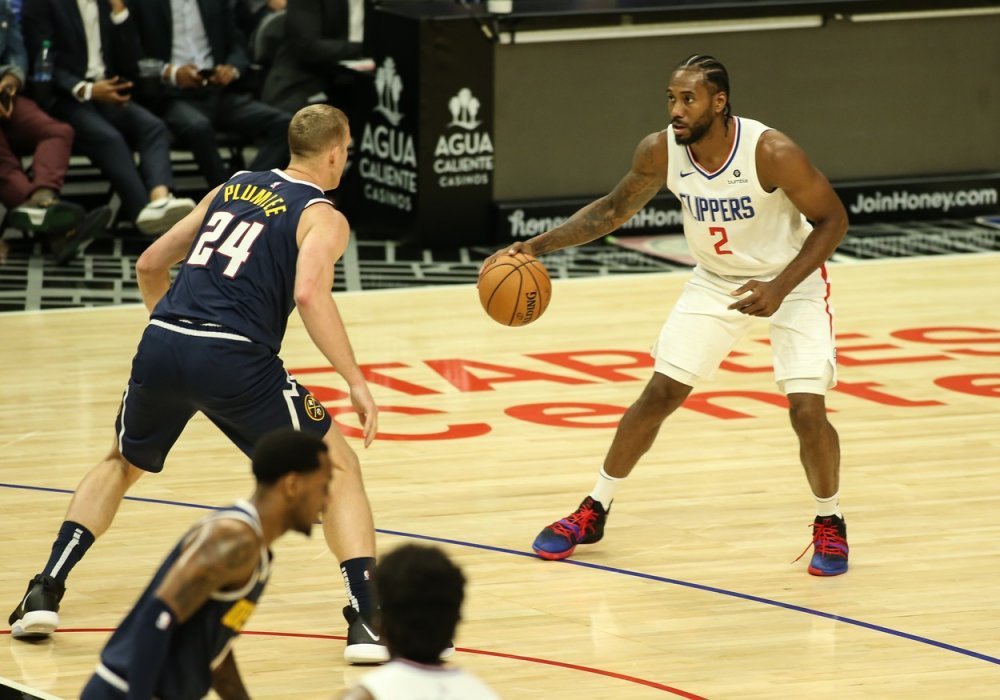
column 748, row 195
column 421, row 593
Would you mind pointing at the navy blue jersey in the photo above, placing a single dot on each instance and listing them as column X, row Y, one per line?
column 240, row 271
column 201, row 642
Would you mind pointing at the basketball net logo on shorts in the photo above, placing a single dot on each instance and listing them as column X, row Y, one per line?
column 314, row 409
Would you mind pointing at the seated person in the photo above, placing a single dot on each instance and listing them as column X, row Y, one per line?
column 33, row 200
column 250, row 13
column 92, row 43
column 318, row 34
column 203, row 55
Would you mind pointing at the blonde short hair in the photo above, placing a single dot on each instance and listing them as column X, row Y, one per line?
column 316, row 128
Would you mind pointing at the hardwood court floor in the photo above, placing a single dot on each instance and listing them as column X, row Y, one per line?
column 490, row 433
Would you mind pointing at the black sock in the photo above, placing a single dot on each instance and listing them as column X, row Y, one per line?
column 71, row 544
column 358, row 580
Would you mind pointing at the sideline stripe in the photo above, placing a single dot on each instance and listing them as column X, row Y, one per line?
column 610, row 569
column 466, row 650
column 26, row 690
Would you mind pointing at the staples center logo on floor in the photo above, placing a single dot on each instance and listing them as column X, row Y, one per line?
column 952, row 350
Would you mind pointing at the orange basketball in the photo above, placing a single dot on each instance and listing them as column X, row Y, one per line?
column 515, row 290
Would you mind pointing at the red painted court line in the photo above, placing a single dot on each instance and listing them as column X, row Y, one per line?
column 466, row 650
column 586, row 669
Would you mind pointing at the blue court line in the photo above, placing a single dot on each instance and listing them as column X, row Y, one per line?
column 609, row 569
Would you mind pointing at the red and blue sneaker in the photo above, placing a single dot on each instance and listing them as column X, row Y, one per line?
column 585, row 525
column 829, row 546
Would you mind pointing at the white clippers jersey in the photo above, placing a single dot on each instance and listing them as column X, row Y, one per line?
column 733, row 227
column 405, row 680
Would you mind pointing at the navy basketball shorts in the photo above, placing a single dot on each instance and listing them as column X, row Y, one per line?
column 241, row 386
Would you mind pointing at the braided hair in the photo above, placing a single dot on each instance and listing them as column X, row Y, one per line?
column 714, row 73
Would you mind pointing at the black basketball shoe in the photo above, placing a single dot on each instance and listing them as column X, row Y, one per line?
column 37, row 615
column 364, row 646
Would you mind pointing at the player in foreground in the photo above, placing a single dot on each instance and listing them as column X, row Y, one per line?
column 176, row 641
column 421, row 592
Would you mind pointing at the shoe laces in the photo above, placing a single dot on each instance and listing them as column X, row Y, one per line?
column 827, row 540
column 577, row 524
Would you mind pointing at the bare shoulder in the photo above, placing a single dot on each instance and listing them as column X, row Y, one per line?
column 779, row 159
column 651, row 154
column 232, row 545
column 775, row 145
column 322, row 213
column 322, row 217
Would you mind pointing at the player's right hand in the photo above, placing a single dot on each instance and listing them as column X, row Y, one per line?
column 512, row 249
column 364, row 406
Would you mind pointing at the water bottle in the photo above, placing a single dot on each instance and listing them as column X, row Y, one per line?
column 41, row 78
column 43, row 66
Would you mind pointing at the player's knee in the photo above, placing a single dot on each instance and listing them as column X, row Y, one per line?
column 121, row 467
column 345, row 460
column 807, row 412
column 663, row 395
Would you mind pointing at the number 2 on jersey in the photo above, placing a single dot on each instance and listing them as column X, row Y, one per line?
column 723, row 240
column 236, row 246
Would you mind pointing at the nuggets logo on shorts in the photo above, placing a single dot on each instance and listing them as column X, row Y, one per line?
column 314, row 409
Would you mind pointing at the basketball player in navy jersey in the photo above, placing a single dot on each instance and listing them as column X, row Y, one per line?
column 255, row 247
column 748, row 194
column 176, row 641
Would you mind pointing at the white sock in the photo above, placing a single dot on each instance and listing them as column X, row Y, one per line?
column 828, row 506
column 604, row 488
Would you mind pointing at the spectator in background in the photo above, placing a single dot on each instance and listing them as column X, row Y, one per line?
column 203, row 55
column 24, row 128
column 94, row 42
column 250, row 13
column 318, row 34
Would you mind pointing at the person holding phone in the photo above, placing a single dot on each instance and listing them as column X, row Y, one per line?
column 33, row 199
column 203, row 57
column 94, row 46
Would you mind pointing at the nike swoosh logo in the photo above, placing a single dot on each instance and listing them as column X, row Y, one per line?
column 370, row 633
column 689, row 172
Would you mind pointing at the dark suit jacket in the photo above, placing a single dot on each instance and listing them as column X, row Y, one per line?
column 306, row 61
column 59, row 21
column 13, row 56
column 156, row 31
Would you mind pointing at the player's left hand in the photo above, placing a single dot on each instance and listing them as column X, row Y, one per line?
column 763, row 298
column 364, row 406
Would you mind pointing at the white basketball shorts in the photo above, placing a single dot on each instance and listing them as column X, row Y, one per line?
column 701, row 331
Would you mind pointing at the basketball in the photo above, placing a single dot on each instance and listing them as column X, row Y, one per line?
column 515, row 289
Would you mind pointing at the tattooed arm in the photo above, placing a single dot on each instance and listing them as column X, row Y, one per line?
column 220, row 555
column 647, row 176
column 223, row 554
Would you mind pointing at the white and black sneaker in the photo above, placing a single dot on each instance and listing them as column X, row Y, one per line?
column 364, row 646
column 157, row 217
column 37, row 616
